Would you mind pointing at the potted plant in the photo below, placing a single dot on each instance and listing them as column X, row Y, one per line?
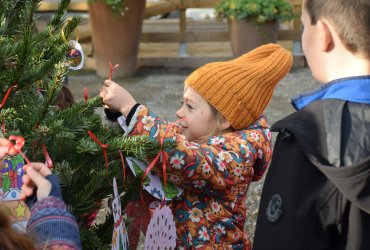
column 116, row 31
column 253, row 22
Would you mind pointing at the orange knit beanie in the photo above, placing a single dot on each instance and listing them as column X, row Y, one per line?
column 240, row 89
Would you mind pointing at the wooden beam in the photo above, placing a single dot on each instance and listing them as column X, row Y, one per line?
column 188, row 37
column 210, row 36
column 73, row 6
column 167, row 6
column 179, row 62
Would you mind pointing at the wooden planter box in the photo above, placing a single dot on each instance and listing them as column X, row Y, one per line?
column 245, row 36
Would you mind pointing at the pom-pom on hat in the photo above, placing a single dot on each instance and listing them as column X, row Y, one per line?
column 240, row 89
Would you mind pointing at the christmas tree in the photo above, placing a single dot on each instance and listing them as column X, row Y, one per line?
column 84, row 152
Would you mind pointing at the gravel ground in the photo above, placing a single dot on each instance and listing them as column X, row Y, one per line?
column 161, row 89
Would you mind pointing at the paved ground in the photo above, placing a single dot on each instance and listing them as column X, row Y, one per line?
column 161, row 89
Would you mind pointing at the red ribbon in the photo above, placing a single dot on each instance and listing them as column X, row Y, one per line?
column 104, row 149
column 6, row 96
column 163, row 154
column 111, row 70
column 49, row 162
column 17, row 147
column 123, row 166
column 86, row 96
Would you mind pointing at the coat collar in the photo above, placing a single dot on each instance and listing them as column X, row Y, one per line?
column 353, row 89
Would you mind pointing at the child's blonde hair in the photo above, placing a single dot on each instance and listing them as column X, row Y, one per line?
column 11, row 239
column 217, row 118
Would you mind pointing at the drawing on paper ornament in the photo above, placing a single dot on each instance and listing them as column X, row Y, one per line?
column 11, row 172
column 120, row 235
column 75, row 55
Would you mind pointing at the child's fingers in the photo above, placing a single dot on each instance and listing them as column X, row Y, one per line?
column 36, row 175
column 4, row 142
column 22, row 196
column 4, row 147
column 26, row 180
column 3, row 151
column 27, row 188
column 107, row 83
column 39, row 167
column 27, row 191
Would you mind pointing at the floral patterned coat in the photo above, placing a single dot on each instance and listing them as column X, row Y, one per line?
column 215, row 176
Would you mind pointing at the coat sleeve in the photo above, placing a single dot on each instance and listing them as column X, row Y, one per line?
column 52, row 226
column 214, row 164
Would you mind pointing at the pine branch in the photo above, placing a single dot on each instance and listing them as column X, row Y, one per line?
column 59, row 16
column 140, row 147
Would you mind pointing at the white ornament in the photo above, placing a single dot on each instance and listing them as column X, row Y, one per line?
column 161, row 232
column 120, row 235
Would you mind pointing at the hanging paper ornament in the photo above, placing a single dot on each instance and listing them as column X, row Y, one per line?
column 161, row 232
column 153, row 184
column 11, row 172
column 75, row 56
column 140, row 214
column 120, row 235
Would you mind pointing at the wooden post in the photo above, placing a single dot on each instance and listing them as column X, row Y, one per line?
column 297, row 46
column 182, row 46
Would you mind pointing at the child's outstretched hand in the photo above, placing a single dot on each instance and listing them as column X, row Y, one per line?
column 116, row 97
column 35, row 180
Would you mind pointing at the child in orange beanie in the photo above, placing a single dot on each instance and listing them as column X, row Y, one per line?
column 223, row 142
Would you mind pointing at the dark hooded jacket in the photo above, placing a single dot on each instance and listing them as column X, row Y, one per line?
column 317, row 190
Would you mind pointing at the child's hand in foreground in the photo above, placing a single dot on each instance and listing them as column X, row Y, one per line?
column 116, row 97
column 34, row 181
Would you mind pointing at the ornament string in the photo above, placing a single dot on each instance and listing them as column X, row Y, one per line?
column 48, row 160
column 123, row 166
column 7, row 95
column 104, row 149
column 111, row 68
column 164, row 157
column 86, row 95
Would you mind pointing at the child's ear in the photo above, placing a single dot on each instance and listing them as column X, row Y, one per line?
column 326, row 39
column 223, row 124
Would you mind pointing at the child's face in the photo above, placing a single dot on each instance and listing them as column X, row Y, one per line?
column 199, row 121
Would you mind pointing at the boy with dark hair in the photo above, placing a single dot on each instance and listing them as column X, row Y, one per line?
column 317, row 190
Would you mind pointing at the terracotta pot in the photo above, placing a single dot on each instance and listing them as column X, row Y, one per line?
column 116, row 38
column 245, row 36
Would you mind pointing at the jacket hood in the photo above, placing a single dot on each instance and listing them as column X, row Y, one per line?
column 320, row 132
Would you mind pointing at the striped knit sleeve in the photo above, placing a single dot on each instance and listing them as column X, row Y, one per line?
column 52, row 226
